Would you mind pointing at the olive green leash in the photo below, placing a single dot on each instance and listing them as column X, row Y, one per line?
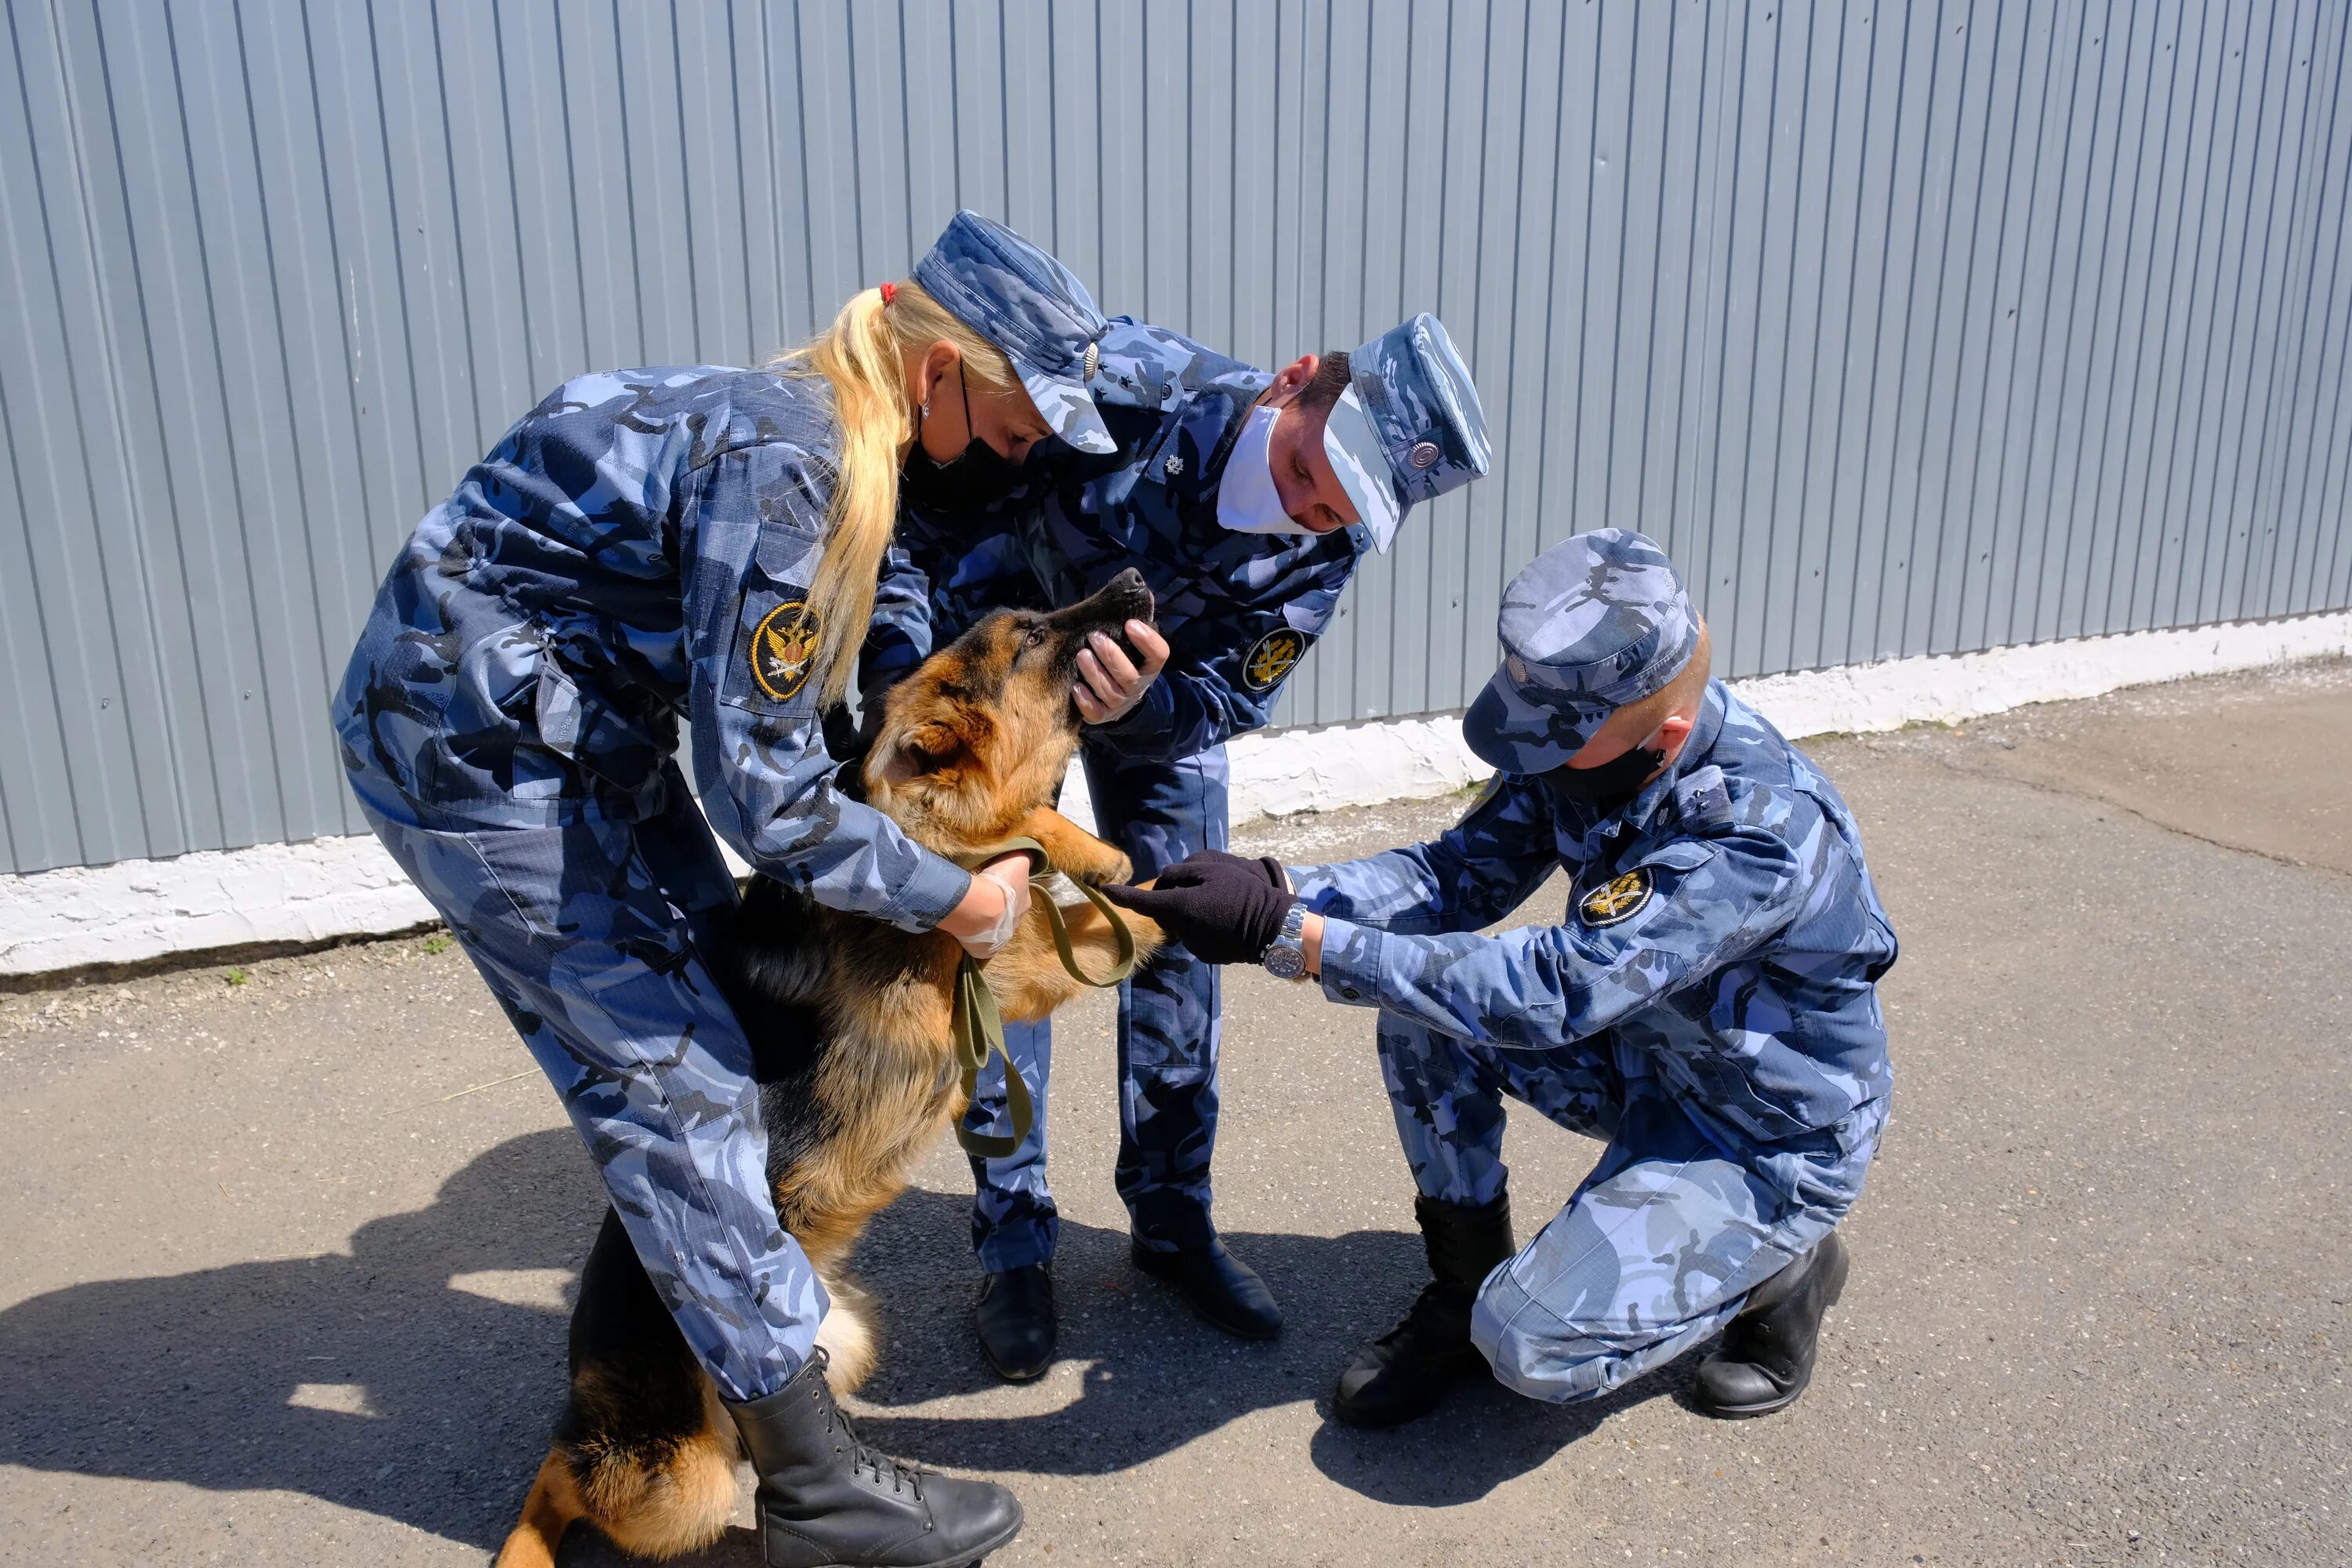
column 979, row 1027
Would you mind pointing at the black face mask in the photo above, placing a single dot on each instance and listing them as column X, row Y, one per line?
column 1612, row 782
column 974, row 478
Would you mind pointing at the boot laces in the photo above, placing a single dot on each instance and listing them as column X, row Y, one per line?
column 1435, row 1315
column 864, row 1455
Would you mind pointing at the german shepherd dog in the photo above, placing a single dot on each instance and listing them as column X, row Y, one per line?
column 849, row 1021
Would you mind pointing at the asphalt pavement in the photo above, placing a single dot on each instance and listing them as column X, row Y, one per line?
column 288, row 1248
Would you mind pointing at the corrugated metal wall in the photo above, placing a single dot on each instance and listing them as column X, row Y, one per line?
column 1908, row 327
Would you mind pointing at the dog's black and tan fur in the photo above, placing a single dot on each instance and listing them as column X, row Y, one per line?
column 849, row 1021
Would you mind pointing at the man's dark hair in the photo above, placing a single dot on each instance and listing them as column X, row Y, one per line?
column 1330, row 380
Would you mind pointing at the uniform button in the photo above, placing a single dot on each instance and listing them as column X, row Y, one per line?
column 1424, row 454
column 1350, row 993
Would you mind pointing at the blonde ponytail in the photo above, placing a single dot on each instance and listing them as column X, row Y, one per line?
column 867, row 356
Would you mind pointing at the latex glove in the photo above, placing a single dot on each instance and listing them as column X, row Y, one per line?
column 991, row 908
column 1225, row 909
column 1109, row 683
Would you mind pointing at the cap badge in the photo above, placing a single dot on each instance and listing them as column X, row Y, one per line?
column 1618, row 898
column 1173, row 465
column 1090, row 361
column 784, row 648
column 1274, row 657
column 1424, row 454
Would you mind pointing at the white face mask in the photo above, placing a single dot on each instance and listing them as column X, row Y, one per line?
column 1247, row 502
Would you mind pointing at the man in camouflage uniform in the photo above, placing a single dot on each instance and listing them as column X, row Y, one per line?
column 1241, row 594
column 1708, row 1008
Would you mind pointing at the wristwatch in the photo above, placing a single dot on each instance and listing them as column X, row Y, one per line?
column 1286, row 959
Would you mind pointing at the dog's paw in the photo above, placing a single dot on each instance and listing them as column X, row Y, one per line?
column 1076, row 853
column 1111, row 865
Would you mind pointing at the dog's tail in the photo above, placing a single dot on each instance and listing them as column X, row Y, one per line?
column 678, row 1505
column 547, row 1513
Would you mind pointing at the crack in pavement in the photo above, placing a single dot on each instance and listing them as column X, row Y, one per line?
column 2063, row 792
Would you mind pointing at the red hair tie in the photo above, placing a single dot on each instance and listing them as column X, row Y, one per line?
column 889, row 292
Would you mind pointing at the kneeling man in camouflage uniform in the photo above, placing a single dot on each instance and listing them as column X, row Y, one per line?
column 1708, row 1006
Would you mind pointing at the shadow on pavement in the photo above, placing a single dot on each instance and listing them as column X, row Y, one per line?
column 1159, row 1378
column 371, row 1381
column 364, row 1380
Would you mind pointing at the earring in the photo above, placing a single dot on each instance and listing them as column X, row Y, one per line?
column 927, row 408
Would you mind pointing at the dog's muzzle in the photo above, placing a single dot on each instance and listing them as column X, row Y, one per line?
column 1123, row 599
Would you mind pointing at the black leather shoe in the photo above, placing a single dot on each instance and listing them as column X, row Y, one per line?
column 1766, row 1355
column 1221, row 1287
column 1016, row 1318
column 827, row 1500
column 1407, row 1372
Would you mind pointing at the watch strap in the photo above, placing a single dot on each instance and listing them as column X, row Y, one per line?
column 1286, row 957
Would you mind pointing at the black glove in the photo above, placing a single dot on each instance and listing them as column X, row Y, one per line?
column 847, row 744
column 846, row 740
column 1225, row 909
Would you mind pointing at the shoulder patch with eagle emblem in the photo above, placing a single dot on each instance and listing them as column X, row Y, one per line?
column 1616, row 900
column 1273, row 657
column 784, row 648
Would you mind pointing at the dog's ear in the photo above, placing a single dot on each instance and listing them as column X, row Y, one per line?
column 925, row 749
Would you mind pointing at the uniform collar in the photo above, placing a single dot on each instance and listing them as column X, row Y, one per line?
column 1637, row 813
column 1212, row 418
column 1693, row 755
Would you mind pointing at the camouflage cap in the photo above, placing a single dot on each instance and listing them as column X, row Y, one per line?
column 1032, row 307
column 1593, row 624
column 1409, row 426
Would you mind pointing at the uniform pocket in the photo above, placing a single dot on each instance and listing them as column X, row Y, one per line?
column 787, row 554
column 1682, row 855
column 548, row 875
column 500, row 889
column 1730, row 1092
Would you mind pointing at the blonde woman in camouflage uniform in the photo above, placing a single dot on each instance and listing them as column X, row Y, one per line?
column 704, row 543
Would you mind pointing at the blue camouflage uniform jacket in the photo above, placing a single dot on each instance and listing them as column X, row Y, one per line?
column 1723, row 923
column 638, row 546
column 1238, row 610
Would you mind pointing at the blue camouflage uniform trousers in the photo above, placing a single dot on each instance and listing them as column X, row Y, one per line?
column 1659, row 1246
column 1156, row 812
column 590, row 934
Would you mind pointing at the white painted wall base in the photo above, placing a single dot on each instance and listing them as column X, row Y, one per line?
column 136, row 910
column 1862, row 697
column 295, row 893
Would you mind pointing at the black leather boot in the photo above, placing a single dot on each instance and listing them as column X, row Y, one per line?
column 1221, row 1287
column 1016, row 1319
column 827, row 1500
column 1407, row 1371
column 1766, row 1355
